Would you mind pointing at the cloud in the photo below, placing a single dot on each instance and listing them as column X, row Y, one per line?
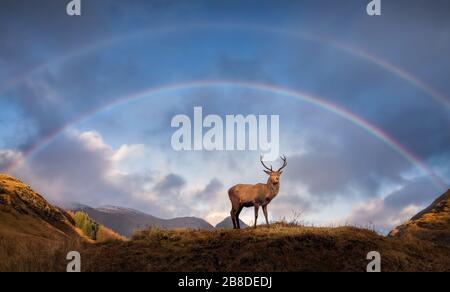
column 80, row 167
column 214, row 188
column 9, row 158
column 330, row 160
column 337, row 165
column 415, row 192
column 396, row 208
column 375, row 214
column 171, row 185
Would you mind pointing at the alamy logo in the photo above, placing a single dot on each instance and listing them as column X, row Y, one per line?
column 74, row 8
column 374, row 265
column 74, row 266
column 374, row 8
column 236, row 133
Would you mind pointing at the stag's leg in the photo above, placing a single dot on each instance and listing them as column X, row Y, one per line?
column 256, row 214
column 266, row 215
column 233, row 217
column 237, row 217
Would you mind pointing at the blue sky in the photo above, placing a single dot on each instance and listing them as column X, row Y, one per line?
column 391, row 71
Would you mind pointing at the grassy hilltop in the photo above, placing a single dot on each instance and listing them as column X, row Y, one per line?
column 36, row 236
column 278, row 248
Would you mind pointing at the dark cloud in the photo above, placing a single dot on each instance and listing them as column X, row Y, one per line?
column 364, row 88
column 214, row 188
column 75, row 168
column 396, row 208
column 339, row 160
column 81, row 168
column 416, row 192
column 339, row 165
column 170, row 185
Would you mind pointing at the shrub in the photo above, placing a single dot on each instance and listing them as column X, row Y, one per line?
column 86, row 224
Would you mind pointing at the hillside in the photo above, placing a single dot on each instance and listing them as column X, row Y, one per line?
column 419, row 245
column 126, row 221
column 31, row 230
column 432, row 224
column 279, row 248
column 36, row 236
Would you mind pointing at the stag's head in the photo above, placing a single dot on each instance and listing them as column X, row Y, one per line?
column 274, row 175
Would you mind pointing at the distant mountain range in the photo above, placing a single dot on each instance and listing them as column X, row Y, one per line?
column 126, row 221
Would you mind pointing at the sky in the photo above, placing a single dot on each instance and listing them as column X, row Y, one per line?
column 86, row 104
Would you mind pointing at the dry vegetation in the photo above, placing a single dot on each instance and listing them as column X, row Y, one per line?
column 279, row 248
column 38, row 247
column 35, row 236
column 432, row 224
column 105, row 234
column 32, row 245
column 25, row 254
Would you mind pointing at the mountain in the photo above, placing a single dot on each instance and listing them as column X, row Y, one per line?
column 432, row 224
column 31, row 229
column 227, row 223
column 126, row 221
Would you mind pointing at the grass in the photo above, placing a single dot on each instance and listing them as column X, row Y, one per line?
column 33, row 245
column 41, row 249
column 105, row 234
column 35, row 236
column 30, row 254
column 282, row 247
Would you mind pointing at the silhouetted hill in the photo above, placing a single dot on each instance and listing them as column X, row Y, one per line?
column 432, row 224
column 227, row 223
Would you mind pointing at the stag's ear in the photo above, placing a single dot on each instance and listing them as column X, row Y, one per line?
column 281, row 172
column 267, row 172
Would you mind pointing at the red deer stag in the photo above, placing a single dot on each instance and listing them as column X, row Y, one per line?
column 259, row 195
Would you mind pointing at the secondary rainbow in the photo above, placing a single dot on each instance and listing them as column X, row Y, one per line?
column 356, row 52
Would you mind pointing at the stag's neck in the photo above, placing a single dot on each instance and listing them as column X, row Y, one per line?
column 274, row 189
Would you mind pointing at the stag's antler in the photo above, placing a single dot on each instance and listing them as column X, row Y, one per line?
column 284, row 163
column 269, row 169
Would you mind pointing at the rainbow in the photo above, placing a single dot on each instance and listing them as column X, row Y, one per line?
column 298, row 95
column 356, row 52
